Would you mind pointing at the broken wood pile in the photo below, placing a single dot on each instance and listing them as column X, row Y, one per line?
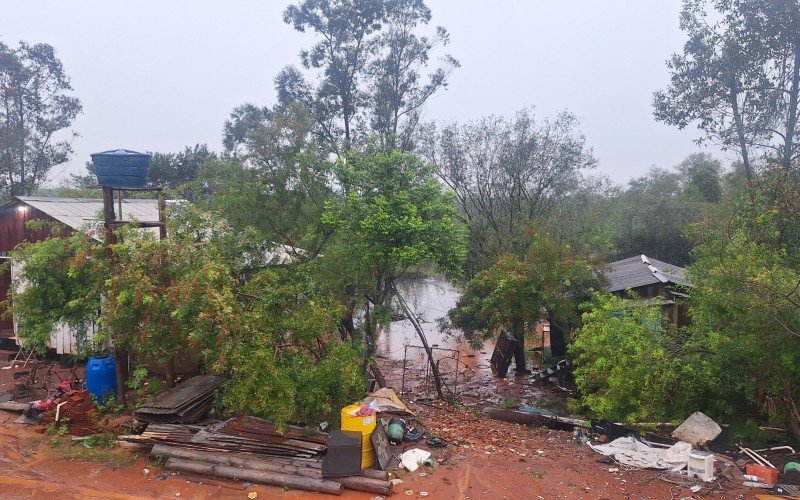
column 185, row 403
column 303, row 474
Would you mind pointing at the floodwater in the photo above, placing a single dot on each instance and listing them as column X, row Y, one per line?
column 429, row 299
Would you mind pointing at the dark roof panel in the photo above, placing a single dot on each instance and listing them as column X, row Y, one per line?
column 641, row 270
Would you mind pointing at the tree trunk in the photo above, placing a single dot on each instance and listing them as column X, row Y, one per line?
column 171, row 372
column 434, row 369
column 256, row 476
column 791, row 123
column 743, row 149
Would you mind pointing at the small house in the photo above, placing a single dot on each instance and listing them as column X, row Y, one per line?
column 653, row 280
column 71, row 213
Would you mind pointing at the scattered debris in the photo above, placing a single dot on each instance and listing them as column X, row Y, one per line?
column 186, row 403
column 385, row 400
column 413, row 458
column 634, row 453
column 697, row 430
column 277, row 471
column 503, row 352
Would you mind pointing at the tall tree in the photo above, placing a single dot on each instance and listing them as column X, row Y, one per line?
column 738, row 78
column 178, row 170
column 370, row 64
column 651, row 216
column 35, row 105
column 391, row 218
column 276, row 178
column 507, row 174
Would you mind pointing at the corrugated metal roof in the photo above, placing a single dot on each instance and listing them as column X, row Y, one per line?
column 641, row 271
column 78, row 212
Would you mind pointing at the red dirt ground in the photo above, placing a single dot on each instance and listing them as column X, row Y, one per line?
column 484, row 459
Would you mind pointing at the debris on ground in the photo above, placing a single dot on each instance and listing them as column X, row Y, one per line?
column 632, row 452
column 185, row 403
column 529, row 415
column 77, row 411
column 697, row 430
column 413, row 458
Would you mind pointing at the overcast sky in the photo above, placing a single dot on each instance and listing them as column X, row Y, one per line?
column 160, row 75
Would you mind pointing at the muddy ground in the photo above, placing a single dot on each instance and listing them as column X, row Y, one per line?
column 484, row 459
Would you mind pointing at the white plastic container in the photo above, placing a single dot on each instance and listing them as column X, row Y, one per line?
column 701, row 465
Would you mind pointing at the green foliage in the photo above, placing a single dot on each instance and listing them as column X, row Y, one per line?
column 508, row 174
column 391, row 219
column 109, row 404
column 99, row 441
column 371, row 69
column 737, row 79
column 170, row 295
column 37, row 108
column 632, row 365
column 136, row 377
column 282, row 383
column 514, row 292
column 394, row 215
column 746, row 297
column 60, row 281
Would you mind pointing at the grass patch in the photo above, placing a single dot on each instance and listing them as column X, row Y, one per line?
column 100, row 449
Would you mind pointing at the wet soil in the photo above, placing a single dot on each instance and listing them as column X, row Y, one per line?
column 483, row 459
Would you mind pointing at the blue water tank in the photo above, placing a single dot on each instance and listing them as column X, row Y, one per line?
column 121, row 168
column 101, row 377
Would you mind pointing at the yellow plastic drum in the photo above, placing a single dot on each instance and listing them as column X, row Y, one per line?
column 364, row 425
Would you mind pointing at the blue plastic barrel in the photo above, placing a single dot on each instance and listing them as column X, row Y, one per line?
column 121, row 168
column 101, row 377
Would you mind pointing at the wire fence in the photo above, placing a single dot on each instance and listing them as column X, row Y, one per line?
column 418, row 381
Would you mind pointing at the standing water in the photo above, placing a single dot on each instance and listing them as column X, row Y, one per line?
column 429, row 299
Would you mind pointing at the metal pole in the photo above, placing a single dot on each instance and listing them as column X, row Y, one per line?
column 162, row 217
column 403, row 379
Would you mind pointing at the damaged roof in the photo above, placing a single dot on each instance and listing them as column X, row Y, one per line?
column 642, row 270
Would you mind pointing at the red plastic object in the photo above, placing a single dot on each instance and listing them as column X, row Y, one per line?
column 764, row 473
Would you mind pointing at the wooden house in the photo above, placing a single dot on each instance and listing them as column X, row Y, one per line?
column 652, row 280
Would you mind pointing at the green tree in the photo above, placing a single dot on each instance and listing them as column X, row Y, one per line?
column 59, row 282
column 371, row 66
column 35, row 106
column 391, row 218
column 507, row 174
column 738, row 78
column 651, row 216
column 701, row 174
column 747, row 300
column 277, row 181
column 515, row 293
column 632, row 365
column 178, row 170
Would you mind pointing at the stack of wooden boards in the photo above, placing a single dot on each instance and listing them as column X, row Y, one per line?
column 185, row 403
column 252, row 449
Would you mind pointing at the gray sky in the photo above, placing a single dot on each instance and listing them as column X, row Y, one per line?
column 160, row 75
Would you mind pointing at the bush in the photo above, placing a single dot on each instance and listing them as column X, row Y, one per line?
column 633, row 365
